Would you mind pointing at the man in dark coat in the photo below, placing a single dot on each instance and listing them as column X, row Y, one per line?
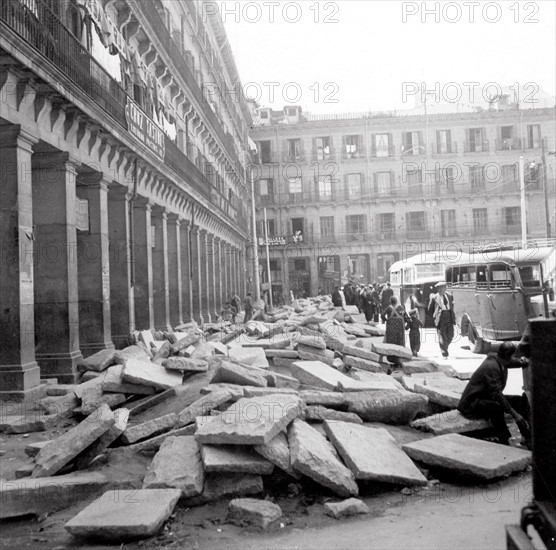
column 385, row 296
column 444, row 316
column 336, row 297
column 483, row 397
column 248, row 307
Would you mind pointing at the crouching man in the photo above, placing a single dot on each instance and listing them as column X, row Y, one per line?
column 483, row 397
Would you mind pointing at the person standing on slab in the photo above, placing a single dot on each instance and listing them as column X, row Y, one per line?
column 248, row 307
column 483, row 396
column 442, row 308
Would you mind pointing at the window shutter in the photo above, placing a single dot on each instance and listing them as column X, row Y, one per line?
column 390, row 145
column 373, row 145
column 375, row 183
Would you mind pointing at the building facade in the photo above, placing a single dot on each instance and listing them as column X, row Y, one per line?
column 346, row 196
column 123, row 194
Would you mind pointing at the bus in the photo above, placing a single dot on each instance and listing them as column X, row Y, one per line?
column 496, row 291
column 422, row 272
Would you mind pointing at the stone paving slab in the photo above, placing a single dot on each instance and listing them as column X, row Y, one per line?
column 185, row 364
column 307, row 353
column 277, row 451
column 48, row 494
column 251, row 356
column 450, row 422
column 98, row 362
column 150, row 428
column 282, row 353
column 253, row 512
column 150, row 374
column 219, row 486
column 60, row 451
column 408, row 382
column 329, row 399
column 345, row 508
column 318, row 413
column 358, row 351
column 234, row 458
column 177, row 465
column 125, row 514
column 312, row 455
column 468, row 456
column 204, row 405
column 251, row 421
column 232, row 373
column 446, row 392
column 373, row 454
column 364, row 364
column 318, row 374
column 392, row 350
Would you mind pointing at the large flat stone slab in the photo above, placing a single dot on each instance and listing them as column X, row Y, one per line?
column 185, row 364
column 364, row 364
column 240, row 459
column 408, row 382
column 329, row 399
column 125, row 514
column 135, row 352
column 450, row 422
column 226, row 485
column 277, row 451
column 112, row 381
column 282, row 353
column 204, row 405
column 253, row 512
column 150, row 374
column 307, row 353
column 277, row 342
column 62, row 450
column 468, row 456
column 317, row 374
column 392, row 350
column 48, row 494
column 389, row 407
column 312, row 455
column 446, row 392
column 251, row 421
column 177, row 465
column 99, row 361
column 312, row 342
column 345, row 508
column 318, row 413
column 250, row 356
column 361, row 352
column 249, row 391
column 150, row 428
column 373, row 454
column 232, row 373
column 184, row 342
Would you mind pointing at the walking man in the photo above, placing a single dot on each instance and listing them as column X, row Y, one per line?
column 248, row 307
column 444, row 317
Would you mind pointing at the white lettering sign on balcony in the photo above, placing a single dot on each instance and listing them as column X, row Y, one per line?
column 144, row 129
column 272, row 241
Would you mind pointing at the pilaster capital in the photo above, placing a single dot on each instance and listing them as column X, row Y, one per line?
column 159, row 211
column 143, row 203
column 53, row 160
column 116, row 191
column 175, row 219
column 11, row 135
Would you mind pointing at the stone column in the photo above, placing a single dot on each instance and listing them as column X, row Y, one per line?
column 186, row 272
column 19, row 372
column 161, row 293
column 224, row 268
column 93, row 266
column 122, row 305
column 196, row 274
column 175, row 270
column 204, row 288
column 142, row 280
column 211, row 253
column 56, row 288
column 219, row 275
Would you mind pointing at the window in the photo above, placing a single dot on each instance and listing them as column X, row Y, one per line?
column 509, row 174
column 300, row 264
column 381, row 145
column 327, row 226
column 352, row 146
column 355, row 225
column 475, row 140
column 533, row 136
column 449, row 177
column 500, row 276
column 292, row 111
column 530, row 276
column 507, row 138
column 329, row 263
column 295, row 185
column 480, row 220
column 323, row 148
column 270, row 228
column 512, row 216
column 414, row 179
column 476, row 177
column 325, row 188
column 383, row 183
column 416, row 221
column 443, row 141
column 387, row 225
column 411, row 143
column 354, row 187
column 294, row 150
column 265, row 187
column 264, row 114
column 298, row 229
column 264, row 147
column 532, row 175
column 482, row 276
column 448, row 223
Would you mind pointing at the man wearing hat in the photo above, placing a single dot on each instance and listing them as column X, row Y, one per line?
column 442, row 306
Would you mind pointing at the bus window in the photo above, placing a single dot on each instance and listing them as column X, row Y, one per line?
column 482, row 282
column 530, row 276
column 395, row 277
column 500, row 276
column 467, row 276
column 449, row 280
column 455, row 276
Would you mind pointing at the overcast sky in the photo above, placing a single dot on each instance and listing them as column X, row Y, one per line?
column 356, row 55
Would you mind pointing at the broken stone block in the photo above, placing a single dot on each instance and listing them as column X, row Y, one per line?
column 277, row 451
column 318, row 374
column 417, row 366
column 312, row 455
column 312, row 342
column 56, row 390
column 84, row 458
column 46, row 495
column 234, row 458
column 24, row 471
column 282, row 353
column 125, row 514
column 331, row 400
column 184, row 364
column 408, row 382
column 186, row 352
column 250, row 356
column 219, row 486
column 283, row 362
column 326, row 356
column 389, row 407
column 150, row 428
column 185, row 342
column 177, row 465
column 376, row 330
column 32, row 421
column 363, row 353
column 354, row 330
column 345, row 508
column 446, row 392
column 60, row 451
column 373, row 454
column 468, row 456
column 98, row 362
column 32, row 449
column 88, row 376
column 283, row 381
column 154, row 443
column 253, row 512
column 251, row 421
column 392, row 350
column 91, row 402
column 257, row 328
column 233, row 373
column 318, row 413
column 364, row 364
column 250, row 391
column 203, row 406
column 146, row 337
column 140, row 405
column 150, row 374
column 113, row 382
column 163, row 352
column 131, row 352
column 63, row 405
column 450, row 422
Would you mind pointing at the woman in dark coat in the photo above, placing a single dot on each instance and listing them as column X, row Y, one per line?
column 396, row 318
column 367, row 304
